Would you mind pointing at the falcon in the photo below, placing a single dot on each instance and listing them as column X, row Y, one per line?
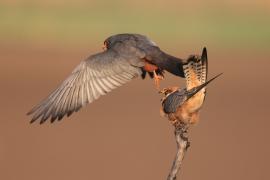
column 125, row 57
column 182, row 106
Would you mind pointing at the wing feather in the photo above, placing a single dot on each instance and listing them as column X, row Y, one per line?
column 174, row 100
column 92, row 78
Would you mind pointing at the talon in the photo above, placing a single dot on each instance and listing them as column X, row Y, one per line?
column 157, row 79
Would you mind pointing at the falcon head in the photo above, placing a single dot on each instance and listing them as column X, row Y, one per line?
column 112, row 40
column 168, row 90
column 130, row 39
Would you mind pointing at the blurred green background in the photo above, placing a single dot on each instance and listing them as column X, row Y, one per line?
column 237, row 24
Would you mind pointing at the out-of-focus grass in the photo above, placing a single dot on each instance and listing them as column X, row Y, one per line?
column 30, row 22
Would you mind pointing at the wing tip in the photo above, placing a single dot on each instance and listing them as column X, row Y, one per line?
column 204, row 51
column 204, row 55
column 32, row 121
column 28, row 113
column 31, row 111
column 52, row 117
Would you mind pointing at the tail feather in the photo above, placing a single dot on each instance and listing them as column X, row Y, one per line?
column 195, row 90
column 204, row 66
column 196, row 69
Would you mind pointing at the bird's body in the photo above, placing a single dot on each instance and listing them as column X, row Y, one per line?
column 148, row 53
column 126, row 56
column 182, row 105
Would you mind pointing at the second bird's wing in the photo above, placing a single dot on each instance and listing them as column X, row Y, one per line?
column 92, row 78
column 174, row 100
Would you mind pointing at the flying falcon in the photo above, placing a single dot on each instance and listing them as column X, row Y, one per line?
column 182, row 105
column 125, row 57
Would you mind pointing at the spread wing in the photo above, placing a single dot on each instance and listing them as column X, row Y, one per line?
column 96, row 76
column 196, row 70
column 174, row 100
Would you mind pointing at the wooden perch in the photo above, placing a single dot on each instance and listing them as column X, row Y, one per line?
column 181, row 136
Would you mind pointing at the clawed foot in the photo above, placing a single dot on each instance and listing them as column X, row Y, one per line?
column 157, row 79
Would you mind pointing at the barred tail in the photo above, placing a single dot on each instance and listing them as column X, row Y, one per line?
column 196, row 69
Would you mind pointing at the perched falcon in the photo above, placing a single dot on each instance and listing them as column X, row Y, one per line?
column 125, row 57
column 182, row 105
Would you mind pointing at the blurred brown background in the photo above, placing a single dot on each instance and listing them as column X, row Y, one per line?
column 122, row 136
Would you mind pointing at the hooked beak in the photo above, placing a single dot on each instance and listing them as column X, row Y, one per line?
column 161, row 91
column 168, row 90
column 104, row 47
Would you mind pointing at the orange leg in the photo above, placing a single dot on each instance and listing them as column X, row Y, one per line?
column 157, row 79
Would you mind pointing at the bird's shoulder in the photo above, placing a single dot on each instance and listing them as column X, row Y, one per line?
column 174, row 100
column 114, row 58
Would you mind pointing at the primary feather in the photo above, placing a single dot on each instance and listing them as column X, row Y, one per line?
column 96, row 76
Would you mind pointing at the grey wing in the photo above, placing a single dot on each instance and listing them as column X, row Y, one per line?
column 173, row 101
column 96, row 76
